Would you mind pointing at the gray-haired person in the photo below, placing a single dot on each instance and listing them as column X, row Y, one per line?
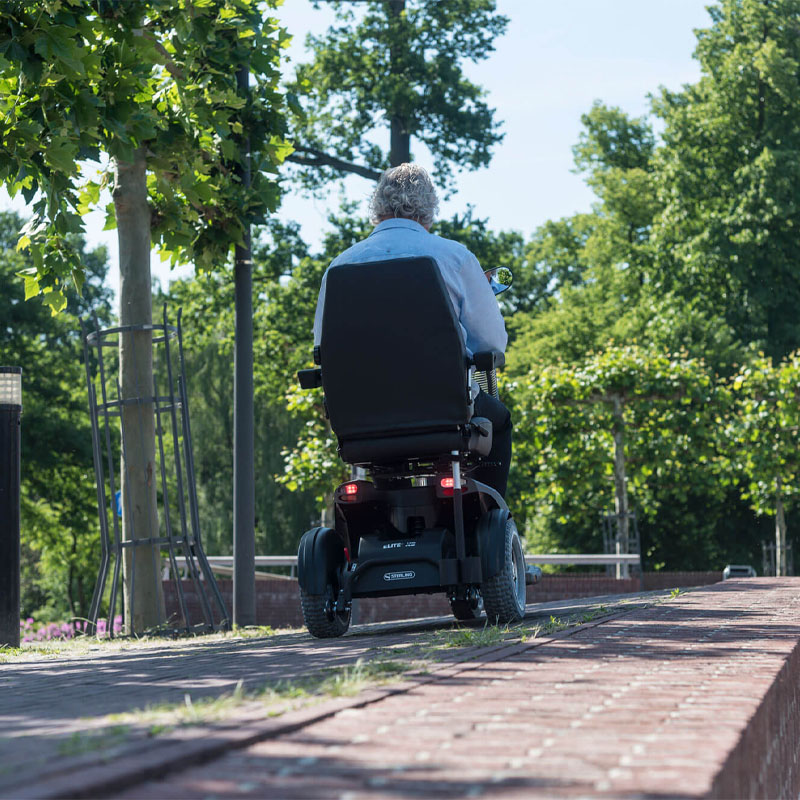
column 402, row 209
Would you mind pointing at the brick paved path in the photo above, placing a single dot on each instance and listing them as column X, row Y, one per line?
column 697, row 696
column 47, row 705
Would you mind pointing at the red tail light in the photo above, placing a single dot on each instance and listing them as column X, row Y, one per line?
column 447, row 483
column 351, row 488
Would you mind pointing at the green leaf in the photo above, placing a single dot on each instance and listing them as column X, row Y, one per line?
column 294, row 105
column 111, row 218
column 56, row 300
column 60, row 154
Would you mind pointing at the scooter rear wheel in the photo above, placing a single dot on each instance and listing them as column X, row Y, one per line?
column 321, row 617
column 504, row 594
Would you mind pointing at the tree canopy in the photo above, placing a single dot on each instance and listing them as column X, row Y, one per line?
column 396, row 65
column 626, row 421
column 151, row 77
column 60, row 546
column 729, row 174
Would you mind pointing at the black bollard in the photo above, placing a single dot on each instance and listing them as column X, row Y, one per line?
column 10, row 414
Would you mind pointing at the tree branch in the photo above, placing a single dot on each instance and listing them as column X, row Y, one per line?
column 169, row 63
column 310, row 157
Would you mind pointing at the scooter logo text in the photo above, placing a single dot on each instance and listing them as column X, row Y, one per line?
column 399, row 576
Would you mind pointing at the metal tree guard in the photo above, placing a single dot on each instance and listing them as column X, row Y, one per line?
column 177, row 478
column 768, row 559
column 613, row 544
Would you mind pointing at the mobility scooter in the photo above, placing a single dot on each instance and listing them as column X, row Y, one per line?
column 396, row 380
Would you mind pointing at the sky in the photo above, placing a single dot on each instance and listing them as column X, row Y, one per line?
column 556, row 58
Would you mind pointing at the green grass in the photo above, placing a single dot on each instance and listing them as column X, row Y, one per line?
column 271, row 700
column 487, row 636
column 492, row 635
column 556, row 624
column 31, row 651
column 82, row 742
column 250, row 632
column 82, row 646
column 349, row 681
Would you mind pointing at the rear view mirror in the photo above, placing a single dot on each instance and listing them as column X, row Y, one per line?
column 499, row 278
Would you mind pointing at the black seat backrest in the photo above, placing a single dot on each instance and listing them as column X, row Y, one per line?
column 392, row 352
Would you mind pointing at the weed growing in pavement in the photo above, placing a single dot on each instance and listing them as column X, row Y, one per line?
column 251, row 631
column 94, row 646
column 82, row 742
column 492, row 635
column 486, row 636
column 556, row 624
column 674, row 593
column 590, row 616
column 351, row 680
column 9, row 654
column 272, row 700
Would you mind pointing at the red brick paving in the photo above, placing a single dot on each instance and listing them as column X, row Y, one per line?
column 54, row 728
column 278, row 599
column 695, row 697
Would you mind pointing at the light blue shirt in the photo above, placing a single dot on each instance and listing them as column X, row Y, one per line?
column 473, row 300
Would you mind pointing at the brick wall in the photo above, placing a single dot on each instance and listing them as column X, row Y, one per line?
column 563, row 587
column 766, row 760
column 669, row 580
column 278, row 599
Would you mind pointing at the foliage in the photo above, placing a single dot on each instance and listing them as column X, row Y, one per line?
column 562, row 476
column 208, row 321
column 588, row 278
column 667, row 262
column 398, row 64
column 606, row 312
column 763, row 432
column 583, row 274
column 60, row 533
column 729, row 175
column 64, row 631
column 79, row 80
column 554, row 260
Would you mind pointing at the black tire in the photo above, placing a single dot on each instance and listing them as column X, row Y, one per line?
column 319, row 622
column 465, row 610
column 504, row 594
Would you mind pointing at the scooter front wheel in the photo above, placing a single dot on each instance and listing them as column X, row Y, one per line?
column 321, row 617
column 465, row 610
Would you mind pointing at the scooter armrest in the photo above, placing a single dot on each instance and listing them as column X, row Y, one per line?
column 310, row 378
column 488, row 360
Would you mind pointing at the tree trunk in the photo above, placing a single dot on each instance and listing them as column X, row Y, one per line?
column 400, row 137
column 620, row 487
column 400, row 147
column 780, row 531
column 144, row 596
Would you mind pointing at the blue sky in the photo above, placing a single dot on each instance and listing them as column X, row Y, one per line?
column 554, row 61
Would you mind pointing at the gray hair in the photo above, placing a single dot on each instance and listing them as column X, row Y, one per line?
column 404, row 191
